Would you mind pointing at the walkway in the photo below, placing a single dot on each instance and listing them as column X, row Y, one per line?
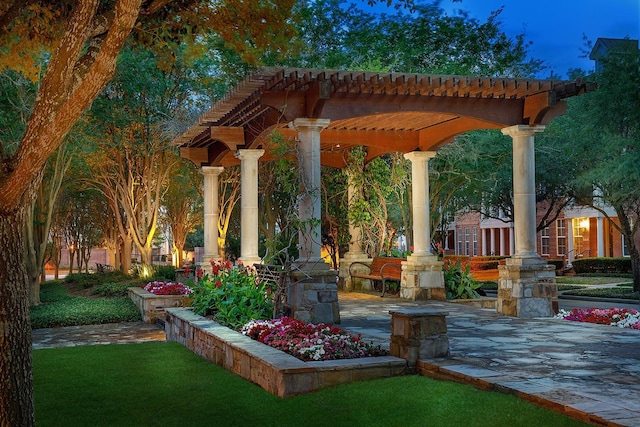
column 591, row 372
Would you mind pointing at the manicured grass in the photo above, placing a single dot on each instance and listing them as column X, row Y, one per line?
column 164, row 384
column 617, row 292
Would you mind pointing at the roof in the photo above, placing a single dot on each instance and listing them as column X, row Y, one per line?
column 385, row 112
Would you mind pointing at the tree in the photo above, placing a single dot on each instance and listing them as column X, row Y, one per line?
column 84, row 40
column 604, row 127
column 182, row 206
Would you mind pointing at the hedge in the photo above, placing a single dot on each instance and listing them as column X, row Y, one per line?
column 602, row 265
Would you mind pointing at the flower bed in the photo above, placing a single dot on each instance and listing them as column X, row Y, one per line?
column 309, row 342
column 167, row 288
column 620, row 317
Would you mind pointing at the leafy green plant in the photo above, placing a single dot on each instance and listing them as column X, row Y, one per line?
column 112, row 289
column 459, row 283
column 232, row 295
column 166, row 272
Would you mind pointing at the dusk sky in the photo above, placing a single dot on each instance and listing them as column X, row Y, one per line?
column 556, row 27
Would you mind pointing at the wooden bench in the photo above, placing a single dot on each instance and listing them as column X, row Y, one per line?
column 381, row 270
column 103, row 268
column 279, row 276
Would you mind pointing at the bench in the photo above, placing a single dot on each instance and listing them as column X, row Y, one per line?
column 279, row 276
column 381, row 269
column 103, row 268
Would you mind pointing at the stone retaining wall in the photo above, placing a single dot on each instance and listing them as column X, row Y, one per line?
column 152, row 306
column 275, row 371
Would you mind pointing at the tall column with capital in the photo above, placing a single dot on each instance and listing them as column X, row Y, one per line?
column 422, row 277
column 524, row 189
column 600, row 231
column 211, row 214
column 355, row 253
column 310, row 207
column 249, row 205
column 526, row 283
column 313, row 293
column 420, row 201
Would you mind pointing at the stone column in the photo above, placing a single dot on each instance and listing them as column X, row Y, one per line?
column 249, row 205
column 600, row 231
column 526, row 284
column 211, row 216
column 313, row 294
column 422, row 277
column 355, row 253
column 309, row 149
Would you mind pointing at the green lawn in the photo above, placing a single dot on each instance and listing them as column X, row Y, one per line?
column 164, row 384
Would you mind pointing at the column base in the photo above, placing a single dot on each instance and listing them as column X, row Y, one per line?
column 344, row 278
column 422, row 279
column 247, row 261
column 527, row 288
column 313, row 296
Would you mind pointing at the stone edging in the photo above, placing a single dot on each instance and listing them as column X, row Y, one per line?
column 152, row 306
column 275, row 371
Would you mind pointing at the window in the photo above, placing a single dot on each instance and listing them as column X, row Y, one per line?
column 561, row 236
column 460, row 242
column 475, row 241
column 625, row 248
column 466, row 241
column 544, row 241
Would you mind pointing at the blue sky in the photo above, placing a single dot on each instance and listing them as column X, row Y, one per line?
column 556, row 27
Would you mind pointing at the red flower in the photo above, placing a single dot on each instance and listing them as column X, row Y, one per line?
column 218, row 283
column 187, row 270
column 199, row 273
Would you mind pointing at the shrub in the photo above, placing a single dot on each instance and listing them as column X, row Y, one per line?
column 602, row 265
column 167, row 288
column 459, row 283
column 112, row 289
column 87, row 280
column 73, row 311
column 558, row 263
column 165, row 272
column 232, row 295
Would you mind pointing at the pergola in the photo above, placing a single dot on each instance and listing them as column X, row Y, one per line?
column 329, row 112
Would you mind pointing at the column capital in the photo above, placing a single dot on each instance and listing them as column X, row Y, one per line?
column 249, row 153
column 211, row 170
column 309, row 124
column 522, row 130
column 420, row 155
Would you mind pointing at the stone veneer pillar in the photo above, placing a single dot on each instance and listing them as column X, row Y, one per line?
column 211, row 216
column 526, row 284
column 422, row 277
column 355, row 253
column 249, row 205
column 313, row 294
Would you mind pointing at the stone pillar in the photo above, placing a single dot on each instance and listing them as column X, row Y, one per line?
column 309, row 162
column 249, row 205
column 313, row 294
column 355, row 253
column 422, row 277
column 526, row 284
column 600, row 237
column 211, row 216
column 419, row 334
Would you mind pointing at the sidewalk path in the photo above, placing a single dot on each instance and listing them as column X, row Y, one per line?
column 590, row 372
column 111, row 333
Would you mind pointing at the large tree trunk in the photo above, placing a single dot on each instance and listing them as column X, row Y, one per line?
column 16, row 378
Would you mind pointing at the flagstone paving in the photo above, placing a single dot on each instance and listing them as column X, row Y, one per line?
column 591, row 372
